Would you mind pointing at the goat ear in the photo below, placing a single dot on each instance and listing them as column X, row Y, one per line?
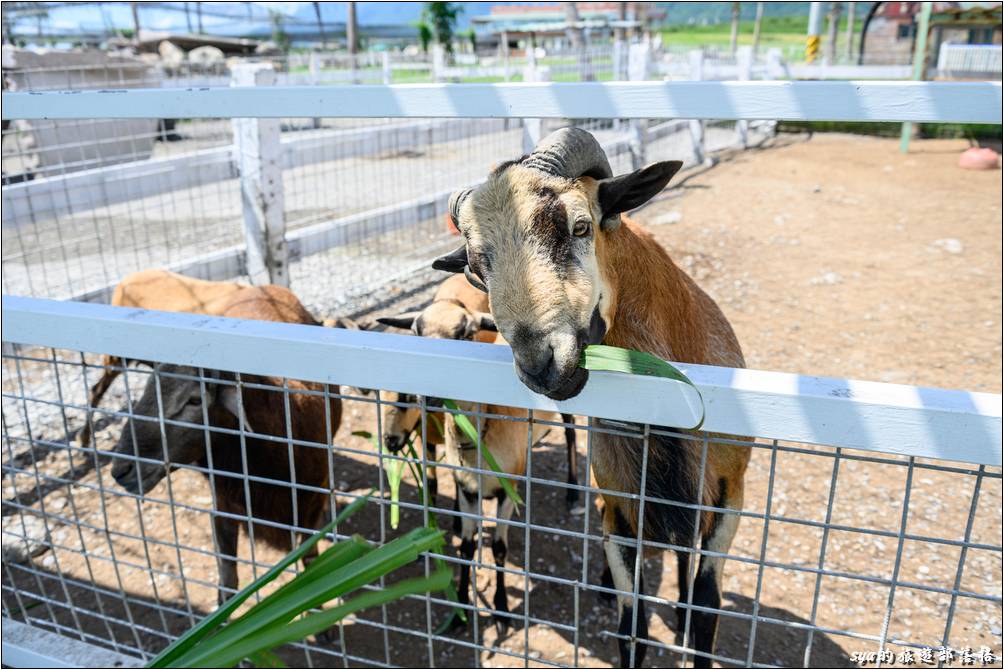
column 486, row 321
column 404, row 321
column 628, row 191
column 229, row 399
column 455, row 261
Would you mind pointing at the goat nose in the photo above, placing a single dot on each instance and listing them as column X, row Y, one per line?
column 537, row 363
column 393, row 442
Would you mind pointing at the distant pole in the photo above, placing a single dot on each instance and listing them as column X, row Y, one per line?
column 812, row 38
column 831, row 33
column 850, row 32
column 919, row 62
column 756, row 27
column 734, row 37
column 188, row 18
column 350, row 28
column 320, row 24
column 621, row 16
column 198, row 15
column 135, row 21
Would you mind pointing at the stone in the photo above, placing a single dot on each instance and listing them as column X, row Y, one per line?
column 23, row 538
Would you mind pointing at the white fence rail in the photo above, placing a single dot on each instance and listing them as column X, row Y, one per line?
column 964, row 102
column 872, row 416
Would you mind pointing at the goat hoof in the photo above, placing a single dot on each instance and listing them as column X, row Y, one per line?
column 572, row 499
column 607, row 599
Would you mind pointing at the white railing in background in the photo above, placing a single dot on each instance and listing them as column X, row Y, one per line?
column 972, row 60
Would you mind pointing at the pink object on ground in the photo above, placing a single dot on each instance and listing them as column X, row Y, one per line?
column 979, row 159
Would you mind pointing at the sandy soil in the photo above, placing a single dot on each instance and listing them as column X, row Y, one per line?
column 834, row 256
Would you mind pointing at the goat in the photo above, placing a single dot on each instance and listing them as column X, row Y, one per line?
column 161, row 290
column 458, row 312
column 509, row 442
column 563, row 269
column 151, row 446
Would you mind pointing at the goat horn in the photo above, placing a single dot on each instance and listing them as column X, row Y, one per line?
column 570, row 153
column 456, row 202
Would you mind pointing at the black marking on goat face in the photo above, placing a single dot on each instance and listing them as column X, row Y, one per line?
column 549, row 227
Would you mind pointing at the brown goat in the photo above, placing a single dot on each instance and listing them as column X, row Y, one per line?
column 545, row 236
column 144, row 455
column 161, row 290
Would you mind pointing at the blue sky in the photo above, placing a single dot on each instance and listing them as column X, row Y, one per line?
column 98, row 17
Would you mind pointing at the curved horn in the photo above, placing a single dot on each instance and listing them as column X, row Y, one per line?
column 573, row 153
column 570, row 153
column 456, row 202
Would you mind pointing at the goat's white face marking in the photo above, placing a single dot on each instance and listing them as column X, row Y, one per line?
column 531, row 238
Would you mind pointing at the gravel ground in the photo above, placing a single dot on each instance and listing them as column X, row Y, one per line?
column 820, row 269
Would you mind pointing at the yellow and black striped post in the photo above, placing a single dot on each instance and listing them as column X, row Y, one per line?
column 815, row 24
column 811, row 48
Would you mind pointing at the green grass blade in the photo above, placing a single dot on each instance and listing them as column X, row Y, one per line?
column 629, row 361
column 334, row 558
column 266, row 659
column 311, row 624
column 187, row 641
column 395, row 473
column 464, row 424
column 364, row 570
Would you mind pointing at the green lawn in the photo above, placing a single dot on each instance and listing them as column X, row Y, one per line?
column 781, row 32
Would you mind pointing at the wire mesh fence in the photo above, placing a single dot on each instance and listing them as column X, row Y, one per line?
column 838, row 551
column 362, row 200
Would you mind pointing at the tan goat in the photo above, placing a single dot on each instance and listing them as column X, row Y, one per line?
column 545, row 236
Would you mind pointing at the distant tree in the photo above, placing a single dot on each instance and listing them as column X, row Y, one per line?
column 424, row 35
column 442, row 18
column 279, row 35
column 472, row 37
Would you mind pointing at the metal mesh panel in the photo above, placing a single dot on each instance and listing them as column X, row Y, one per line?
column 837, row 551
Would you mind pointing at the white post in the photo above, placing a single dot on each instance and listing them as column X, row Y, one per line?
column 533, row 129
column 638, row 70
column 619, row 58
column 315, row 77
column 775, row 68
column 504, row 44
column 387, row 73
column 438, row 62
column 744, row 72
column 259, row 160
column 697, row 125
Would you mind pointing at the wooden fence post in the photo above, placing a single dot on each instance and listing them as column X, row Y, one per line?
column 697, row 125
column 259, row 160
column 638, row 70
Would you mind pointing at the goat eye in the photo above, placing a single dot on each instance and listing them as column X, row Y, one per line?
column 194, row 400
column 582, row 227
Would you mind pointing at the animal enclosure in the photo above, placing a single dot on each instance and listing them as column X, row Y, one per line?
column 873, row 561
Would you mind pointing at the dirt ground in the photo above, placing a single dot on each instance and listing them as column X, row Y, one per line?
column 834, row 255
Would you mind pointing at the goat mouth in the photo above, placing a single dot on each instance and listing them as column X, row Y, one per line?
column 565, row 388
column 131, row 481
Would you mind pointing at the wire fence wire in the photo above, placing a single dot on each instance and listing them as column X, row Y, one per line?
column 838, row 552
column 363, row 201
